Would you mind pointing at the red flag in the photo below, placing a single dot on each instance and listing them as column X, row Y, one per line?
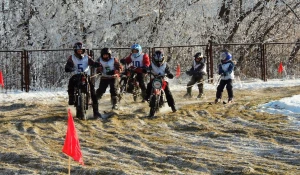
column 280, row 68
column 1, row 79
column 177, row 71
column 72, row 146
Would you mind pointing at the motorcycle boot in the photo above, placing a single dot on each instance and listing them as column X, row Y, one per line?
column 188, row 93
column 173, row 107
column 217, row 100
column 144, row 94
column 200, row 93
column 71, row 98
column 114, row 100
column 98, row 94
column 96, row 111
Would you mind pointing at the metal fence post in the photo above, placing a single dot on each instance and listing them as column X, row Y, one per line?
column 26, row 71
column 211, row 62
column 91, row 54
column 152, row 52
column 22, row 70
column 207, row 60
column 263, row 62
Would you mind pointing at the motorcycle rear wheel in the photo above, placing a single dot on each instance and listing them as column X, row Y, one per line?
column 122, row 89
column 136, row 93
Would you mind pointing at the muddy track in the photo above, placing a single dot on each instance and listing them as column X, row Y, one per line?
column 199, row 138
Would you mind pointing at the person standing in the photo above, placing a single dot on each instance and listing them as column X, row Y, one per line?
column 197, row 71
column 226, row 70
column 109, row 66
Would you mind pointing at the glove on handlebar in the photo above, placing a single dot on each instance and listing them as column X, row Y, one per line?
column 112, row 72
column 188, row 73
column 171, row 76
column 123, row 61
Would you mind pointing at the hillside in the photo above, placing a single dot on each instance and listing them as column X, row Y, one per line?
column 199, row 139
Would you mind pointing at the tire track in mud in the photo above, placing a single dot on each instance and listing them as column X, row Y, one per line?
column 32, row 145
column 197, row 139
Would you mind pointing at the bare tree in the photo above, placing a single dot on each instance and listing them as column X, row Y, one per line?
column 54, row 24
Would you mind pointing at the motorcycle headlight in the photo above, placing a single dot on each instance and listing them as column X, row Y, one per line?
column 157, row 84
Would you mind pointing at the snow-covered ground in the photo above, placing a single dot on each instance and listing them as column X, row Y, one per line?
column 287, row 106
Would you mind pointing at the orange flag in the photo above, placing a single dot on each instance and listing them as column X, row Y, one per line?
column 280, row 68
column 1, row 79
column 72, row 146
column 177, row 71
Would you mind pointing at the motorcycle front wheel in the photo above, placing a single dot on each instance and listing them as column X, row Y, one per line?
column 153, row 105
column 80, row 106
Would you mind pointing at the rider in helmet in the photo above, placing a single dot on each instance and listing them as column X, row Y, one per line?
column 109, row 66
column 78, row 62
column 227, row 75
column 79, row 50
column 197, row 71
column 158, row 58
column 140, row 61
column 160, row 67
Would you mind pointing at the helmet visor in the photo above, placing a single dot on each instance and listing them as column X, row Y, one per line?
column 79, row 51
column 134, row 51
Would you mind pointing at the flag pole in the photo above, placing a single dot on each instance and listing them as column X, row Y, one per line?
column 69, row 165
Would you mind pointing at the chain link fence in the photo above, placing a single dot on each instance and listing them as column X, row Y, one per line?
column 287, row 54
column 44, row 69
column 12, row 67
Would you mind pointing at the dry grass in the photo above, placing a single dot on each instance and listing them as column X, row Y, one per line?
column 199, row 139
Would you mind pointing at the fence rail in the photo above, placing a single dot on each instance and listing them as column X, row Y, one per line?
column 44, row 69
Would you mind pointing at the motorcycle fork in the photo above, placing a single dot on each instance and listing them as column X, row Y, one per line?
column 156, row 92
column 78, row 97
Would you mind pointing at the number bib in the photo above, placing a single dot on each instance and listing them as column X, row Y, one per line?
column 137, row 62
column 158, row 70
column 81, row 65
column 107, row 65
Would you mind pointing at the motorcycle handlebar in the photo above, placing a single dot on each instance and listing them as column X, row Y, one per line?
column 108, row 76
column 81, row 73
column 157, row 76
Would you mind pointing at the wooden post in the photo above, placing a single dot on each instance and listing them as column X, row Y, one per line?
column 69, row 172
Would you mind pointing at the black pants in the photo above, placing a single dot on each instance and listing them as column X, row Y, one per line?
column 168, row 93
column 72, row 84
column 228, row 84
column 194, row 80
column 140, row 78
column 113, row 84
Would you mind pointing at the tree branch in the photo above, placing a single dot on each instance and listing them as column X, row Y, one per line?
column 291, row 9
column 240, row 19
column 128, row 22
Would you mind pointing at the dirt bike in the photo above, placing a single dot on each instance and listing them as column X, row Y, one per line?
column 157, row 97
column 129, row 84
column 82, row 95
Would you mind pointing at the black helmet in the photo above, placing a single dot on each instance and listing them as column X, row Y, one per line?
column 158, row 58
column 78, row 46
column 198, row 55
column 105, row 51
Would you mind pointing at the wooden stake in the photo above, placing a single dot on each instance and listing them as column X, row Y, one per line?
column 69, row 165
